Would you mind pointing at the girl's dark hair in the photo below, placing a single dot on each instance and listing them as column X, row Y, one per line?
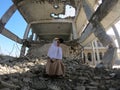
column 61, row 40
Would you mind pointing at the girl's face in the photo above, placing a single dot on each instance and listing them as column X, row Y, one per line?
column 58, row 43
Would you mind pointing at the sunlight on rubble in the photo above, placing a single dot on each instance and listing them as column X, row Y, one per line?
column 20, row 66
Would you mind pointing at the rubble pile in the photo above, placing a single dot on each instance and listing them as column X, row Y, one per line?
column 28, row 74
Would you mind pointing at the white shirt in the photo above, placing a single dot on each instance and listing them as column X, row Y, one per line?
column 55, row 51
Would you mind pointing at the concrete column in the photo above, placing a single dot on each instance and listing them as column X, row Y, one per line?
column 27, row 31
column 88, row 9
column 97, row 51
column 71, row 36
column 23, row 48
column 74, row 30
column 86, row 58
column 30, row 37
column 82, row 54
column 116, row 34
column 93, row 54
column 36, row 37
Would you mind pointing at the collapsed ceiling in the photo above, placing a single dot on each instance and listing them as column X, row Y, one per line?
column 39, row 13
column 43, row 13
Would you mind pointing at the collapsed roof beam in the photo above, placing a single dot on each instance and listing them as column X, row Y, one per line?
column 104, row 9
column 93, row 17
column 5, row 18
column 52, row 21
column 96, row 27
column 42, row 34
column 5, row 32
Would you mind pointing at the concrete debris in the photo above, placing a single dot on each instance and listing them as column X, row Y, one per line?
column 4, row 84
column 24, row 74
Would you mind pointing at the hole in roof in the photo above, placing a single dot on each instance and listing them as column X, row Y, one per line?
column 56, row 6
column 69, row 12
column 54, row 15
column 99, row 1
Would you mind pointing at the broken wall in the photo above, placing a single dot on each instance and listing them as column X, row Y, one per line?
column 39, row 51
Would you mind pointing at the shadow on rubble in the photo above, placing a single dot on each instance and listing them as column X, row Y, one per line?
column 26, row 74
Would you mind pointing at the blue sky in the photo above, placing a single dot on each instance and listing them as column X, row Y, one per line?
column 17, row 25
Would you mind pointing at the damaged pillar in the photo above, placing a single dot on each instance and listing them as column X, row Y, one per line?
column 93, row 54
column 86, row 58
column 82, row 57
column 97, row 51
column 74, row 30
column 94, row 18
column 106, row 40
column 23, row 48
